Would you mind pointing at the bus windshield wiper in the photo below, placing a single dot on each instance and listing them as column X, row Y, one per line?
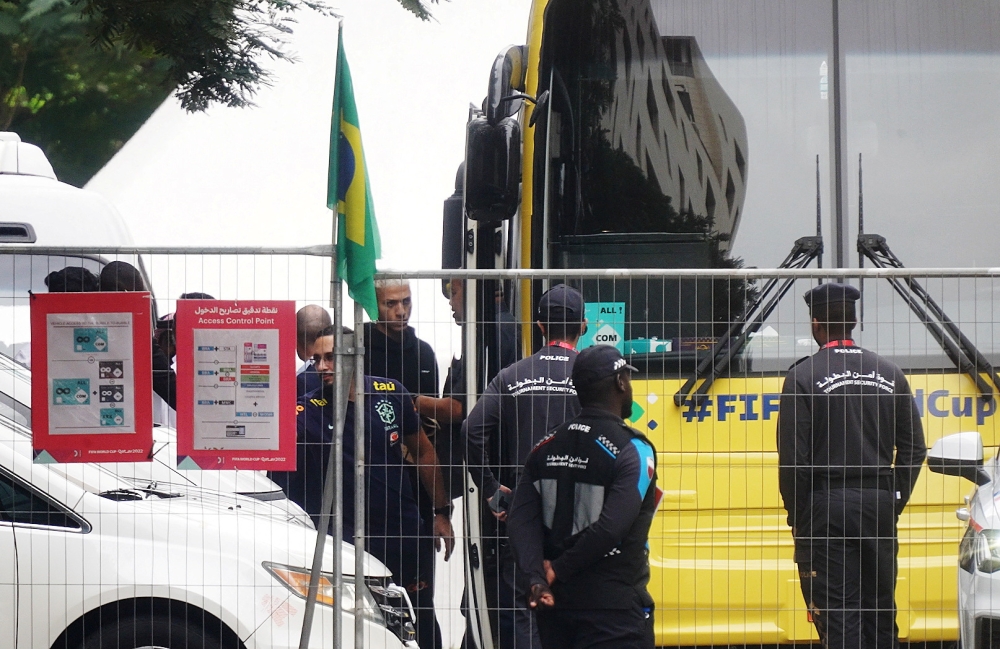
column 804, row 251
column 955, row 344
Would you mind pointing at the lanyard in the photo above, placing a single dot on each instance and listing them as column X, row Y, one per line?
column 847, row 342
column 562, row 344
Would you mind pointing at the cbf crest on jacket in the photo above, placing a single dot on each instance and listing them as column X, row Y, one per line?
column 389, row 419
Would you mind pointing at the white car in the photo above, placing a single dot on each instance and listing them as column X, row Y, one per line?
column 979, row 552
column 161, row 471
column 88, row 560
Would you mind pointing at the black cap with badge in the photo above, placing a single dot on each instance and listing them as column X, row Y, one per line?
column 594, row 364
column 561, row 303
column 831, row 292
column 833, row 304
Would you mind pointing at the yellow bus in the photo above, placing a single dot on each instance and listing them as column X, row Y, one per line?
column 714, row 133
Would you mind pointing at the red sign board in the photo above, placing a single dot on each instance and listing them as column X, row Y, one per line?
column 236, row 384
column 91, row 377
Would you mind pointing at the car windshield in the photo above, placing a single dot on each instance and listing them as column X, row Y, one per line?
column 21, row 275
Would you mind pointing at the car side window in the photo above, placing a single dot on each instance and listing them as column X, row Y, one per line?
column 20, row 504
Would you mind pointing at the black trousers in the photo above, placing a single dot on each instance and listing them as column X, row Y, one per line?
column 513, row 624
column 846, row 555
column 516, row 624
column 630, row 628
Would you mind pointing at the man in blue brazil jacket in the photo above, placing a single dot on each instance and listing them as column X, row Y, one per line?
column 395, row 531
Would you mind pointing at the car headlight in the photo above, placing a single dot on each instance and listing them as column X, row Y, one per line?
column 980, row 548
column 296, row 580
column 396, row 607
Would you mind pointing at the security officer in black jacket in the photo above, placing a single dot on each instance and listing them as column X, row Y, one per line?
column 581, row 517
column 521, row 405
column 850, row 448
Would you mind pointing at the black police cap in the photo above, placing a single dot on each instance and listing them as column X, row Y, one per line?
column 830, row 293
column 597, row 363
column 561, row 303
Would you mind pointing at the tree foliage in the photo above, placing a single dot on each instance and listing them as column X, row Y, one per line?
column 79, row 77
column 215, row 49
column 78, row 102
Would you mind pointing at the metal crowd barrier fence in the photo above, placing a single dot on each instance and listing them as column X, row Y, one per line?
column 705, row 395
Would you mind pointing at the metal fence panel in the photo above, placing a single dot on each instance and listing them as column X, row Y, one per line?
column 92, row 565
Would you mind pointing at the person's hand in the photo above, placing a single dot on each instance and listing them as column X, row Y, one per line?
column 500, row 516
column 540, row 597
column 550, row 574
column 443, row 533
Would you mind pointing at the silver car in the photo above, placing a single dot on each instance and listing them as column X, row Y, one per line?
column 961, row 454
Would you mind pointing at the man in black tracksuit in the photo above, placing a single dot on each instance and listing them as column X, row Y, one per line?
column 581, row 517
column 392, row 348
column 850, row 448
column 520, row 406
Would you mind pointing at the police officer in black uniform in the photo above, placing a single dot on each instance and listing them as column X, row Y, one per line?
column 520, row 406
column 581, row 516
column 850, row 448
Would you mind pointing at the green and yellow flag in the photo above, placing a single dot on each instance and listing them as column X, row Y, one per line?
column 349, row 192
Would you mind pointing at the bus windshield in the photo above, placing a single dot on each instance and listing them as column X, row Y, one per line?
column 697, row 134
column 641, row 137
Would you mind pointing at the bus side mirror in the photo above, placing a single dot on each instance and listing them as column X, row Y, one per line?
column 493, row 169
column 506, row 80
column 959, row 454
column 453, row 226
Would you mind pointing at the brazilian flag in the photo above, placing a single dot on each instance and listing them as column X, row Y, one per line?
column 348, row 191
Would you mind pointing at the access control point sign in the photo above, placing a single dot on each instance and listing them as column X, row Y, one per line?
column 91, row 379
column 236, row 385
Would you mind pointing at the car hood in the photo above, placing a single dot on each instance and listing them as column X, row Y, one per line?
column 162, row 469
column 214, row 521
column 15, row 381
column 103, row 479
column 117, row 509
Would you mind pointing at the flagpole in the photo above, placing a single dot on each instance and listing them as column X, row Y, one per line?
column 359, row 477
column 357, row 244
column 333, row 485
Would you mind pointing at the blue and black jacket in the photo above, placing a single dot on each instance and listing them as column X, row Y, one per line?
column 585, row 502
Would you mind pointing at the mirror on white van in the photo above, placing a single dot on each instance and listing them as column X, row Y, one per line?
column 959, row 454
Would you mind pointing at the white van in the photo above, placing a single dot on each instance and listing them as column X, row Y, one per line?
column 36, row 209
column 39, row 211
